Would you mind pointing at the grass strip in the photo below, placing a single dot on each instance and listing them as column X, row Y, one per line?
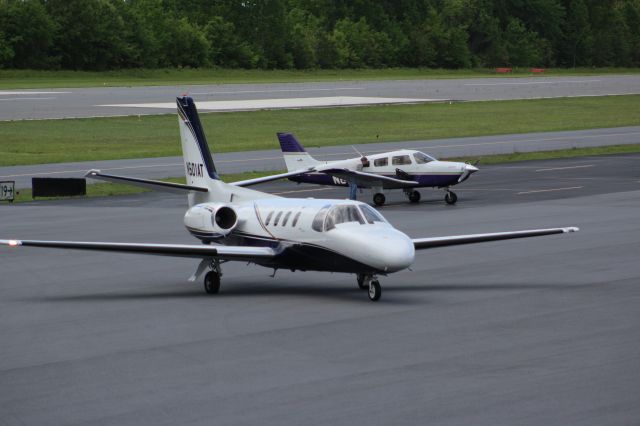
column 35, row 79
column 111, row 189
column 90, row 139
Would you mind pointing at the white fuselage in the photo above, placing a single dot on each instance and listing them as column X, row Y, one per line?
column 357, row 244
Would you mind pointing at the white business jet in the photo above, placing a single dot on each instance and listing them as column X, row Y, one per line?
column 404, row 169
column 274, row 232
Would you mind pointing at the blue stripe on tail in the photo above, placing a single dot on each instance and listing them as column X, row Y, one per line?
column 189, row 115
column 289, row 143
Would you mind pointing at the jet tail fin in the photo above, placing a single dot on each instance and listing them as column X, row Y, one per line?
column 295, row 156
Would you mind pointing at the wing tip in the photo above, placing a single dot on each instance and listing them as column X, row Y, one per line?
column 11, row 243
column 570, row 229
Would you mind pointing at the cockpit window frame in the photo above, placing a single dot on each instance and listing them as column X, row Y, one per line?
column 364, row 209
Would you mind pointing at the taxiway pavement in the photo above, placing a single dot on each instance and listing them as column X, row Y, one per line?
column 528, row 332
column 237, row 162
column 93, row 102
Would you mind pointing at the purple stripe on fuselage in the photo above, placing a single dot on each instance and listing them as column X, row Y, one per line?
column 424, row 180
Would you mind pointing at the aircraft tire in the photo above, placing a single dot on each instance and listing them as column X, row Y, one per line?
column 450, row 198
column 375, row 291
column 379, row 199
column 212, row 282
column 361, row 283
column 414, row 196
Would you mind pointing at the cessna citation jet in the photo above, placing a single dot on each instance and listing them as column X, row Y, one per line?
column 235, row 223
column 405, row 169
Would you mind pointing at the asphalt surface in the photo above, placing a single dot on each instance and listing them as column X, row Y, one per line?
column 89, row 102
column 236, row 162
column 527, row 332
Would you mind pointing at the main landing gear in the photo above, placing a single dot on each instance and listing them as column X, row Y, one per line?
column 370, row 282
column 379, row 198
column 212, row 278
column 413, row 196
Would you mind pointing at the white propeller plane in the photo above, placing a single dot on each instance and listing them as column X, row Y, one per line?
column 274, row 232
column 405, row 169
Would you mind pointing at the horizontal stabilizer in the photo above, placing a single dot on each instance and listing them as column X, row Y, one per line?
column 270, row 178
column 427, row 243
column 145, row 183
column 247, row 254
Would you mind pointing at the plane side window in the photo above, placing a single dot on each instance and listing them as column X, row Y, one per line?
column 275, row 222
column 381, row 162
column 318, row 220
column 269, row 216
column 295, row 219
column 399, row 160
column 286, row 218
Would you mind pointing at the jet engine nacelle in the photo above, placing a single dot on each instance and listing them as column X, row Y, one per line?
column 212, row 219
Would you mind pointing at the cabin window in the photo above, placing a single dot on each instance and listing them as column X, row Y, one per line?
column 381, row 162
column 422, row 158
column 286, row 218
column 342, row 214
column 275, row 222
column 318, row 220
column 370, row 214
column 268, row 218
column 295, row 218
column 399, row 160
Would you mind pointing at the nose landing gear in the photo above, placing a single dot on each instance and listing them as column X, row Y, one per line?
column 450, row 197
column 212, row 278
column 371, row 283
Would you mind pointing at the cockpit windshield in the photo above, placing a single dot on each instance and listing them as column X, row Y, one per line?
column 342, row 214
column 422, row 158
column 370, row 214
column 329, row 216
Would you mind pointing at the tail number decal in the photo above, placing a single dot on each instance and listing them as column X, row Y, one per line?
column 338, row 181
column 194, row 169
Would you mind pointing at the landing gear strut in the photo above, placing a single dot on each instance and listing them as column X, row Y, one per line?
column 450, row 197
column 212, row 278
column 371, row 283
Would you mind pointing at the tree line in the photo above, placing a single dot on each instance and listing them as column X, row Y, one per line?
column 307, row 34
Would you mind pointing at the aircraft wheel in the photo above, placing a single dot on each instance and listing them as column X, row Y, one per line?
column 451, row 198
column 375, row 291
column 361, row 281
column 414, row 196
column 212, row 282
column 379, row 199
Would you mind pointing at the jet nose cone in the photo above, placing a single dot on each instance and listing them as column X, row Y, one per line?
column 399, row 253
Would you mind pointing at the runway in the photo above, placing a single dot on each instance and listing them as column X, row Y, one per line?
column 529, row 332
column 237, row 162
column 94, row 102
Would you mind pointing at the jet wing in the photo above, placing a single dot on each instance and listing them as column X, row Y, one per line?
column 201, row 251
column 427, row 243
column 256, row 181
column 145, row 183
column 369, row 179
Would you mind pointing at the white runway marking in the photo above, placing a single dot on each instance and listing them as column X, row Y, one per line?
column 279, row 90
column 253, row 104
column 550, row 190
column 531, row 82
column 27, row 99
column 7, row 92
column 564, row 168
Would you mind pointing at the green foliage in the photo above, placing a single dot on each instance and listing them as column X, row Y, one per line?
column 308, row 34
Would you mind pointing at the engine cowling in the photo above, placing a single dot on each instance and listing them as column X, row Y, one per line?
column 211, row 220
